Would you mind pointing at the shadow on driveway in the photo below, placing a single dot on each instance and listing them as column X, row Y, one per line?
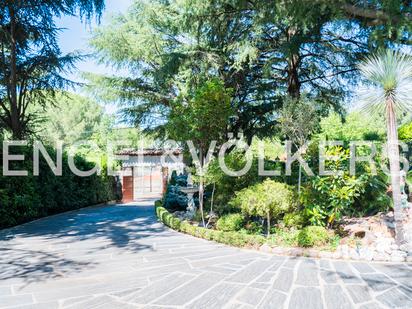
column 72, row 242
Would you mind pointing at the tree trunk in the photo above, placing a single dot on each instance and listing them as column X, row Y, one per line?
column 293, row 76
column 15, row 125
column 299, row 182
column 201, row 189
column 293, row 65
column 211, row 205
column 268, row 224
column 393, row 155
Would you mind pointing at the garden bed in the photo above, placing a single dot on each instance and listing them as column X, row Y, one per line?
column 334, row 250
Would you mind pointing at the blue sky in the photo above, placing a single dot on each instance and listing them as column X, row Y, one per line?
column 75, row 37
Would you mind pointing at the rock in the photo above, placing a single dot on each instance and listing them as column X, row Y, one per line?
column 355, row 229
column 344, row 250
column 374, row 234
column 312, row 253
column 366, row 254
column 383, row 245
column 397, row 259
column 394, row 247
column 296, row 251
column 381, row 257
column 399, row 253
column 279, row 250
column 326, row 254
column 265, row 248
column 369, row 239
column 337, row 254
column 354, row 254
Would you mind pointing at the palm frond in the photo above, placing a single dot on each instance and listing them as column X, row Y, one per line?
column 390, row 76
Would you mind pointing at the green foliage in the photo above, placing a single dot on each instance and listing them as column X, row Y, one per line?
column 204, row 117
column 229, row 223
column 284, row 237
column 157, row 204
column 75, row 119
column 267, row 199
column 26, row 198
column 32, row 66
column 166, row 217
column 72, row 118
column 308, row 237
column 229, row 238
column 327, row 197
column 294, row 220
column 298, row 120
column 405, row 132
column 287, row 46
column 253, row 227
column 175, row 199
column 356, row 127
column 226, row 185
column 178, row 180
column 313, row 236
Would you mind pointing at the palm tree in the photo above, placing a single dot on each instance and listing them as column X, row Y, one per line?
column 390, row 75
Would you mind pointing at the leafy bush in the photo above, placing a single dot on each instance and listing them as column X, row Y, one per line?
column 328, row 198
column 253, row 227
column 226, row 185
column 294, row 219
column 284, row 237
column 229, row 223
column 268, row 200
column 311, row 236
column 405, row 132
column 27, row 198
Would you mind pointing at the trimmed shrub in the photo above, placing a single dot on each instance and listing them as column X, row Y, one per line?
column 229, row 238
column 229, row 223
column 158, row 203
column 313, row 236
column 268, row 200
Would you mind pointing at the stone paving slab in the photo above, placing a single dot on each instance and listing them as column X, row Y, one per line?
column 119, row 256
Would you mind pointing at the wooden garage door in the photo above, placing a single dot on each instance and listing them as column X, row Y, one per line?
column 127, row 188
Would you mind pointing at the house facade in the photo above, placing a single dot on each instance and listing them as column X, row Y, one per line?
column 146, row 172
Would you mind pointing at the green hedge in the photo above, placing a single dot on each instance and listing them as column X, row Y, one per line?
column 229, row 238
column 23, row 199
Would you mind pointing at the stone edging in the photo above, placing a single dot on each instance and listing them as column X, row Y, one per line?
column 258, row 242
column 343, row 252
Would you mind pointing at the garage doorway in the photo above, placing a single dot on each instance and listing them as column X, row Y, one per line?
column 147, row 180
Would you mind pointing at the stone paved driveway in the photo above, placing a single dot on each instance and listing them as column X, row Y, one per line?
column 120, row 257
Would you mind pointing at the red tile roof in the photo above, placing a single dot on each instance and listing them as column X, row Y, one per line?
column 148, row 152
